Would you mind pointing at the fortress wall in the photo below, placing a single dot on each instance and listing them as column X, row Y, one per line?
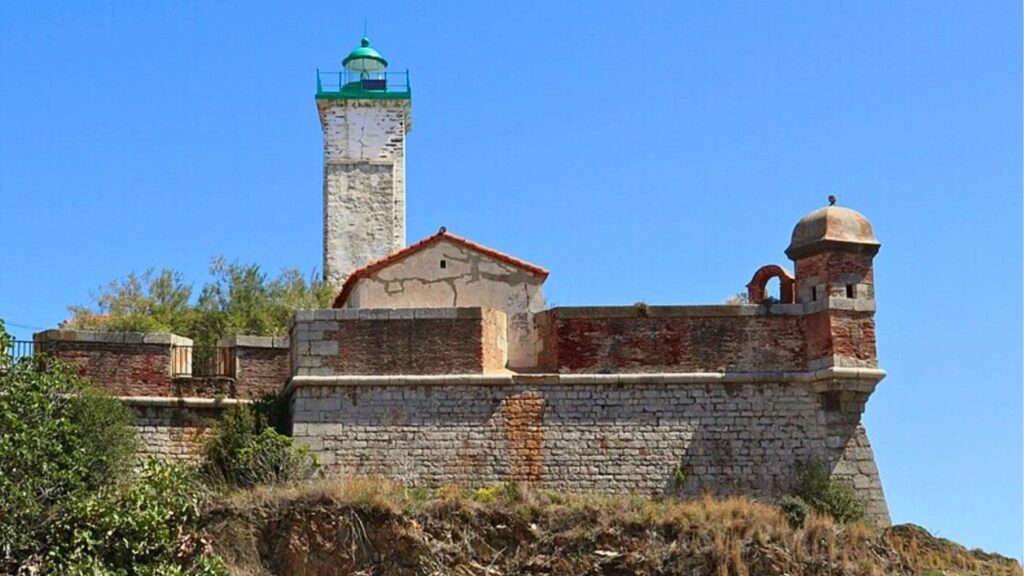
column 628, row 434
column 263, row 364
column 171, row 414
column 628, row 339
column 398, row 341
column 169, row 432
column 122, row 363
column 173, row 428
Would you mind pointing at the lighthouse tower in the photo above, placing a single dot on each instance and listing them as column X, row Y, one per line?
column 365, row 113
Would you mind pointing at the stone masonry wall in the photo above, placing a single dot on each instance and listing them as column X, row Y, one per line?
column 398, row 341
column 589, row 432
column 174, row 428
column 364, row 181
column 169, row 432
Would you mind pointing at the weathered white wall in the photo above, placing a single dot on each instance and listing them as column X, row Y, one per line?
column 364, row 182
column 468, row 279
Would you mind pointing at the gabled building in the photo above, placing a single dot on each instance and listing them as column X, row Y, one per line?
column 448, row 271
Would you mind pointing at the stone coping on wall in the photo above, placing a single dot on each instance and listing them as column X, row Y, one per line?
column 111, row 337
column 303, row 316
column 244, row 341
column 710, row 311
column 695, row 311
column 825, row 379
column 182, row 402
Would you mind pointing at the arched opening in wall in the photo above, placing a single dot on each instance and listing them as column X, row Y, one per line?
column 772, row 283
column 773, row 290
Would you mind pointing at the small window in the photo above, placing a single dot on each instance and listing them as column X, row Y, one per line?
column 849, row 291
column 444, row 264
column 814, row 293
column 830, row 402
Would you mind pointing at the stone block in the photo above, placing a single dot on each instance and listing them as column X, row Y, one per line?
column 323, row 348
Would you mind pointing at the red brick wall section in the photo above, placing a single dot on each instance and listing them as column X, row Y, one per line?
column 830, row 267
column 724, row 339
column 523, row 420
column 407, row 346
column 819, row 335
column 853, row 335
column 261, row 371
column 127, row 369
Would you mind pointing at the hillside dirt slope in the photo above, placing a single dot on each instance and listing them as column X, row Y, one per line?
column 372, row 527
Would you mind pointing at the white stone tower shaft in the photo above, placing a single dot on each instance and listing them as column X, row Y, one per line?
column 364, row 181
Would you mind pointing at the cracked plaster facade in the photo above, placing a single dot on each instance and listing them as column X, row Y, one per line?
column 468, row 279
column 364, row 181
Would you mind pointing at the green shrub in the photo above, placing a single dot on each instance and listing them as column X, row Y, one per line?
column 244, row 450
column 145, row 526
column 507, row 491
column 70, row 503
column 827, row 495
column 795, row 509
column 59, row 437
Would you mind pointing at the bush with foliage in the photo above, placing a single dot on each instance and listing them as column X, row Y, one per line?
column 70, row 501
column 827, row 495
column 138, row 527
column 795, row 509
column 239, row 299
column 243, row 450
column 59, row 437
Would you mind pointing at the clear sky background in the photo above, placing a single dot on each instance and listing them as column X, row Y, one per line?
column 656, row 151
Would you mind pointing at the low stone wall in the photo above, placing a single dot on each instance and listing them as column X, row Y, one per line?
column 173, row 428
column 629, row 339
column 728, row 433
column 399, row 341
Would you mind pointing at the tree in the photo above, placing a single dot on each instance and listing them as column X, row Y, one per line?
column 238, row 299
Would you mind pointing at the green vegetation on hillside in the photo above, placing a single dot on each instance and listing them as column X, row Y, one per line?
column 370, row 525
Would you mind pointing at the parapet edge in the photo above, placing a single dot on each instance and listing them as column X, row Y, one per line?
column 166, row 338
column 831, row 378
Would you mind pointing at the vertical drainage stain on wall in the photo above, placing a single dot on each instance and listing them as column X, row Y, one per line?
column 523, row 415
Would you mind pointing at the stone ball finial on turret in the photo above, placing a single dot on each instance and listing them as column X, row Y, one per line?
column 832, row 229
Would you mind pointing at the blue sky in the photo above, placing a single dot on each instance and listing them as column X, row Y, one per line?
column 656, row 151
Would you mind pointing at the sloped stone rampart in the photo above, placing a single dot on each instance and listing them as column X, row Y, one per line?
column 650, row 434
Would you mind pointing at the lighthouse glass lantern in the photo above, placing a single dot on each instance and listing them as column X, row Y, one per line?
column 369, row 65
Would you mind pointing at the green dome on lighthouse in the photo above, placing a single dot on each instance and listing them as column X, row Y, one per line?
column 364, row 59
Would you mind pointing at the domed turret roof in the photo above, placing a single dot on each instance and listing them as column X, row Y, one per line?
column 364, row 58
column 832, row 228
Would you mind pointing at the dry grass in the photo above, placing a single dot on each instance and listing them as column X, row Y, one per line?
column 373, row 525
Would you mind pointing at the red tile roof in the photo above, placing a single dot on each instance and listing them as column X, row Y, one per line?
column 442, row 234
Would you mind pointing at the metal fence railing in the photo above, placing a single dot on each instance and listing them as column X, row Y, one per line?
column 395, row 83
column 18, row 349
column 194, row 361
column 203, row 362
